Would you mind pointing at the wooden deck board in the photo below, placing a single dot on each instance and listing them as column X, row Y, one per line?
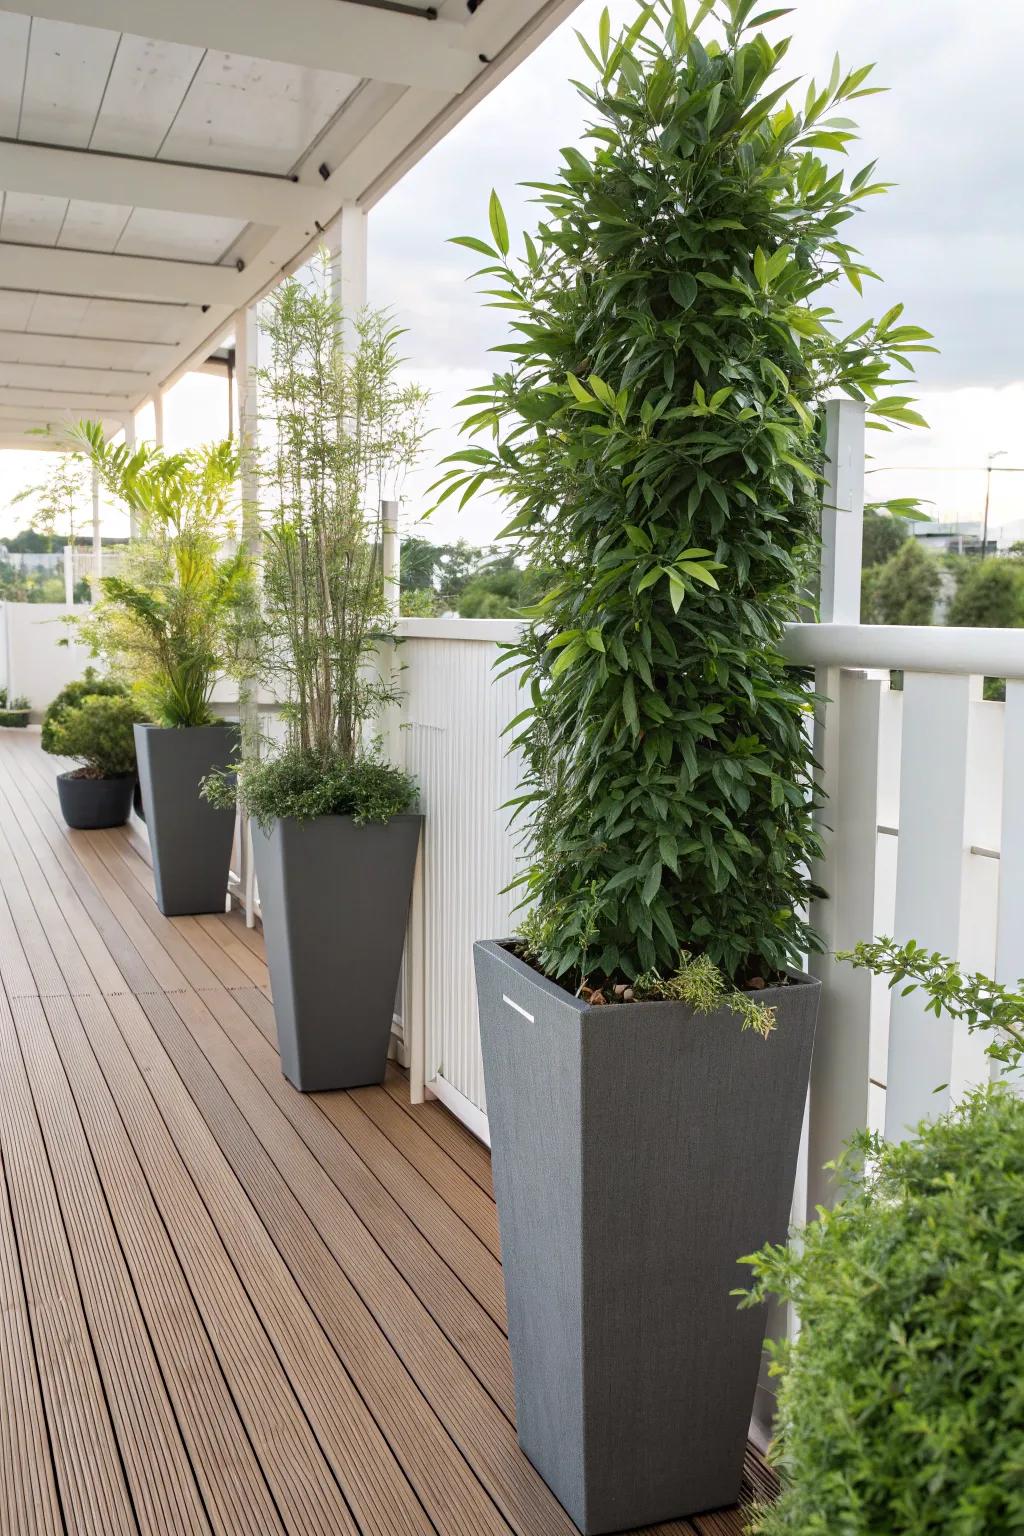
column 226, row 1307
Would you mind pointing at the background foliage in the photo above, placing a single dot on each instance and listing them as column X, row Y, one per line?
column 658, row 432
column 901, row 1406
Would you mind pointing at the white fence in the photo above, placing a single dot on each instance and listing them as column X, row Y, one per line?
column 33, row 662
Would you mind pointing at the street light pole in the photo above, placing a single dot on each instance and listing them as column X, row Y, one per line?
column 999, row 454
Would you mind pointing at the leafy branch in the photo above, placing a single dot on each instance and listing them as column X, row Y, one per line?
column 973, row 998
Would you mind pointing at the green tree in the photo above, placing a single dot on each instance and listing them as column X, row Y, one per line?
column 883, row 538
column 991, row 595
column 903, row 590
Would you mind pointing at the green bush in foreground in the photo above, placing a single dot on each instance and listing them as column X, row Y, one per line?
column 296, row 784
column 901, row 1406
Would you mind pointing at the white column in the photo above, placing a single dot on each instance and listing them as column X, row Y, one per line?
column 842, row 513
column 929, row 885
column 69, row 576
column 97, row 542
column 346, row 245
column 158, row 418
column 246, row 363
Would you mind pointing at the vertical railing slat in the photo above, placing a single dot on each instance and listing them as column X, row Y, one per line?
column 841, row 1066
column 929, row 885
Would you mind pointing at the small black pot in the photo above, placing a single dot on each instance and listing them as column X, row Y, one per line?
column 89, row 804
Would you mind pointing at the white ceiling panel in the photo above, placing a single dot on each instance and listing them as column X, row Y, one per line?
column 100, row 381
column 64, row 351
column 64, row 82
column 254, row 115
column 70, row 316
column 93, row 226
column 13, row 50
column 151, row 232
column 146, row 87
column 30, row 219
column 15, row 309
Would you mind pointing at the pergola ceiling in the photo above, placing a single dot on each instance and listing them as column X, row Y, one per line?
column 154, row 181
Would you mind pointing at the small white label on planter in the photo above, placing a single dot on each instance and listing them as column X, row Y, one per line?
column 517, row 1008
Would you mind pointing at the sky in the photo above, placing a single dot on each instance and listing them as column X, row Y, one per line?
column 948, row 240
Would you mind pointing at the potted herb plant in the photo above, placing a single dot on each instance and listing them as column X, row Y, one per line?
column 658, row 434
column 171, row 624
column 335, row 830
column 99, row 730
column 14, row 711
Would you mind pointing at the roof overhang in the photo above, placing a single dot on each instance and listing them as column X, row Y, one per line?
column 154, row 181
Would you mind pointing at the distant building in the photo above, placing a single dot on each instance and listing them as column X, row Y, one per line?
column 954, row 538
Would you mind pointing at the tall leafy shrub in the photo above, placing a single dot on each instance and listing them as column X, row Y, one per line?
column 658, row 432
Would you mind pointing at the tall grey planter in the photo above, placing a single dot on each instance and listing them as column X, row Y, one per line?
column 335, row 901
column 639, row 1151
column 190, row 839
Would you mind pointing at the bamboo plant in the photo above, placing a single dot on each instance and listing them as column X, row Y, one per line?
column 339, row 429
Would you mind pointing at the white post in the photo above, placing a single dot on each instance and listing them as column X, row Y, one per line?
column 346, row 245
column 158, row 418
column 838, row 1104
column 97, row 542
column 1010, row 929
column 69, row 576
column 929, row 885
column 129, row 442
column 842, row 513
column 246, row 363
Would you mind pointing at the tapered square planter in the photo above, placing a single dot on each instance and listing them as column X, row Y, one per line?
column 335, row 902
column 190, row 839
column 639, row 1151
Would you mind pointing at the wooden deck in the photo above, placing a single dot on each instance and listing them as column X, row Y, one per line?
column 225, row 1307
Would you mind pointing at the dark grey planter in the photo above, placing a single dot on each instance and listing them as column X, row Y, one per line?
column 89, row 805
column 190, row 839
column 639, row 1151
column 335, row 902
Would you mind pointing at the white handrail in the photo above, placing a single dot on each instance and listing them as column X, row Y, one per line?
column 908, row 647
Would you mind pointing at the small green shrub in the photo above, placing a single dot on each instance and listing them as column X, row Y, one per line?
column 300, row 783
column 901, row 1404
column 89, row 686
column 100, row 733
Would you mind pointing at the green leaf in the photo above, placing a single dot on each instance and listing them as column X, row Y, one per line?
column 683, row 288
column 499, row 227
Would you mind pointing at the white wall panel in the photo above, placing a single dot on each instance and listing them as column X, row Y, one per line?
column 454, row 715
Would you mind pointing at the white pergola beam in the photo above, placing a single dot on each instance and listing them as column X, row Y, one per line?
column 47, row 269
column 139, row 183
column 40, row 404
column 351, row 39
